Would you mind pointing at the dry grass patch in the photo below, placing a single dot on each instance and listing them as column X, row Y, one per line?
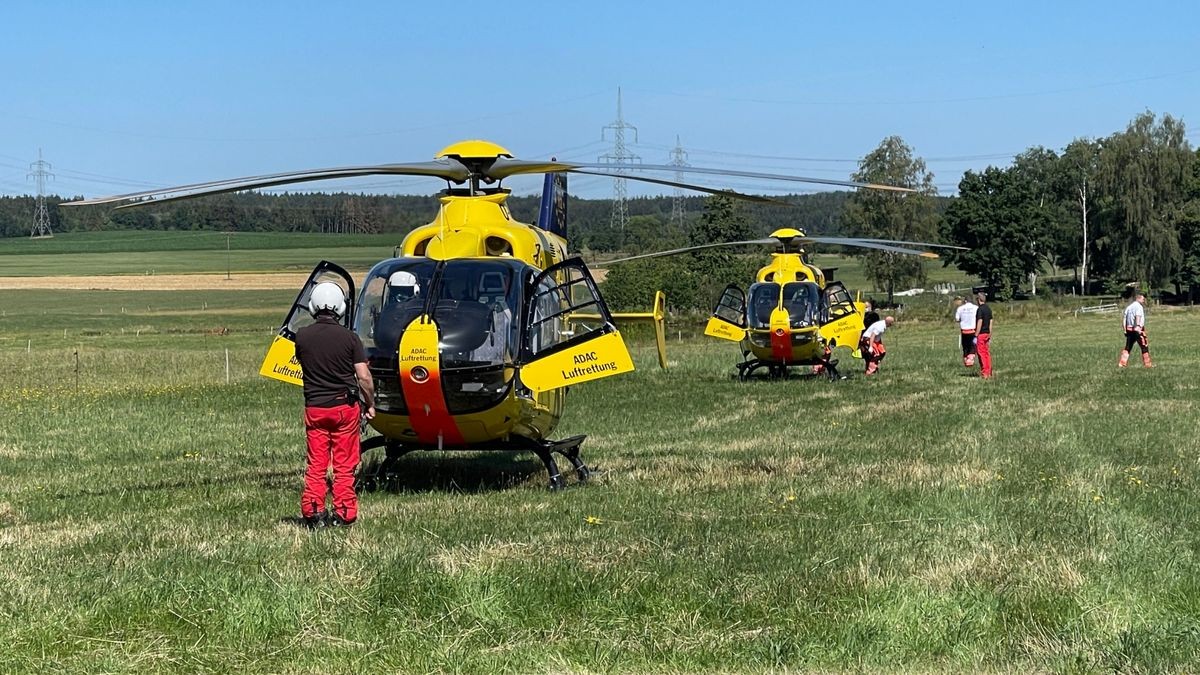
column 483, row 556
column 909, row 473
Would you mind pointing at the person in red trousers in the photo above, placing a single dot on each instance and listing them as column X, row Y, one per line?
column 335, row 379
column 983, row 335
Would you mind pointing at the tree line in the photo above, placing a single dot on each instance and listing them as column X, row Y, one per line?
column 648, row 228
column 1118, row 210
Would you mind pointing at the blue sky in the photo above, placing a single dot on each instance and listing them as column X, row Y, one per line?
column 121, row 96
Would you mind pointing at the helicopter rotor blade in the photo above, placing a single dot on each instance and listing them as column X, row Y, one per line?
column 689, row 249
column 504, row 167
column 860, row 243
column 687, row 186
column 907, row 243
column 446, row 168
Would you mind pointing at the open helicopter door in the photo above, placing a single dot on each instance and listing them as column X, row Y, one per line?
column 569, row 334
column 842, row 325
column 280, row 362
column 728, row 321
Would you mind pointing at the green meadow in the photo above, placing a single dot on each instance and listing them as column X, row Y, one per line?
column 920, row 520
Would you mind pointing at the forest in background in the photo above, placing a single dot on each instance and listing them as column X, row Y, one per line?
column 1114, row 211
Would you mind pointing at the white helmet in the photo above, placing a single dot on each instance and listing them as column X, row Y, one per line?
column 404, row 279
column 327, row 296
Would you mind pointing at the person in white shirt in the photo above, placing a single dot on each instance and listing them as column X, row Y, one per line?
column 965, row 316
column 1135, row 331
column 871, row 344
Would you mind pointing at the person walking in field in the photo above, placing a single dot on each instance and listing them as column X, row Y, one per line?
column 1135, row 331
column 335, row 377
column 983, row 335
column 965, row 316
column 871, row 344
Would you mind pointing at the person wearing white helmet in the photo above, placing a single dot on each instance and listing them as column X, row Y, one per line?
column 403, row 286
column 336, row 380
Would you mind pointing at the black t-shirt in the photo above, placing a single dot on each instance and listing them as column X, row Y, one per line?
column 984, row 315
column 327, row 352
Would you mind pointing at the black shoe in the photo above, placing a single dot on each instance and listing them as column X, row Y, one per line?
column 337, row 521
column 315, row 521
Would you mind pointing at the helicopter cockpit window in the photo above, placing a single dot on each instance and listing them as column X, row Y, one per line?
column 803, row 303
column 476, row 308
column 392, row 296
column 764, row 298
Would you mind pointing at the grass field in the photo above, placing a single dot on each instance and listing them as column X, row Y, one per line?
column 920, row 520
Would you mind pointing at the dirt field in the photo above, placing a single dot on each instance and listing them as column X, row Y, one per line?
column 160, row 282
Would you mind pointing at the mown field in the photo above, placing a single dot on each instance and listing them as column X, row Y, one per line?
column 920, row 520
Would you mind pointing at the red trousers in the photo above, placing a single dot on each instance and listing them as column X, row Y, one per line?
column 983, row 346
column 333, row 440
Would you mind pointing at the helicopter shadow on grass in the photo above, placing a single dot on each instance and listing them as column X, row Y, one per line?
column 447, row 471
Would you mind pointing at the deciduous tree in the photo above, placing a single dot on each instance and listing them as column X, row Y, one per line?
column 893, row 215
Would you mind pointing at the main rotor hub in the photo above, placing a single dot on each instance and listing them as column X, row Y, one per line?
column 465, row 151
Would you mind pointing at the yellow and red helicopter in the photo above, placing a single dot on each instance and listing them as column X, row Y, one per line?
column 792, row 315
column 479, row 325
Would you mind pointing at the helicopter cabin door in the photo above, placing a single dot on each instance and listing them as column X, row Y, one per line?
column 569, row 334
column 728, row 321
column 280, row 362
column 842, row 323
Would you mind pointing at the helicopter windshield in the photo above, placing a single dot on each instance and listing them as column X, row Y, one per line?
column 803, row 303
column 392, row 296
column 476, row 305
column 764, row 298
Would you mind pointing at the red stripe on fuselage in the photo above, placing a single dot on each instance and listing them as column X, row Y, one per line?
column 427, row 410
column 781, row 345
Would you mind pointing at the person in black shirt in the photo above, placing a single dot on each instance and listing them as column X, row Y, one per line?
column 983, row 335
column 335, row 377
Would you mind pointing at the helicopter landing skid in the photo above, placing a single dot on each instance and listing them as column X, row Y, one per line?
column 568, row 448
column 779, row 371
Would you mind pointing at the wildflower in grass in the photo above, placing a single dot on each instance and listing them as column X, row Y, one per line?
column 593, row 520
column 1097, row 498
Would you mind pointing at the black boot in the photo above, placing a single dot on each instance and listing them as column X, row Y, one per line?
column 336, row 519
column 317, row 520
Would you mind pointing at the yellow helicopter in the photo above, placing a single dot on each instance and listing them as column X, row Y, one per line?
column 479, row 325
column 792, row 316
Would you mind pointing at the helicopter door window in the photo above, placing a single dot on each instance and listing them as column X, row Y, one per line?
column 838, row 302
column 803, row 303
column 566, row 308
column 731, row 308
column 299, row 315
column 764, row 298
